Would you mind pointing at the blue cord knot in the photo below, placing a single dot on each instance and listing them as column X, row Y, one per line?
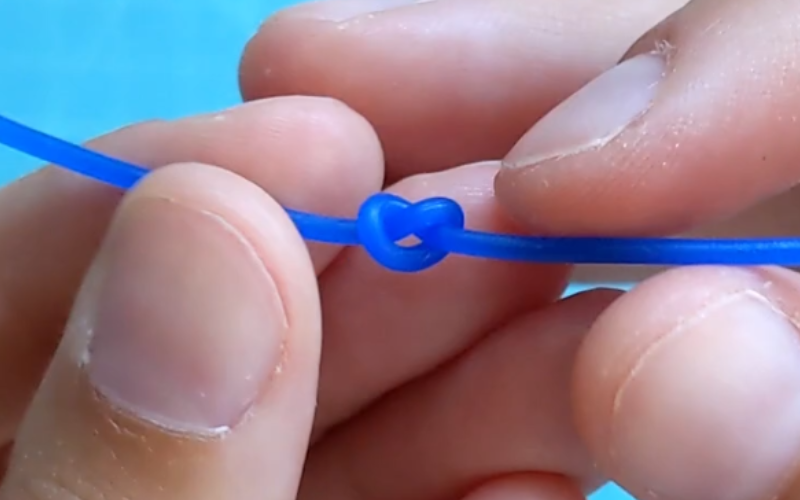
column 385, row 219
column 437, row 222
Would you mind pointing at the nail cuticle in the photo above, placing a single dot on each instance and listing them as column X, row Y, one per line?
column 595, row 115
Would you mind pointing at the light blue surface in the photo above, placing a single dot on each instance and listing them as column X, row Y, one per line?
column 79, row 68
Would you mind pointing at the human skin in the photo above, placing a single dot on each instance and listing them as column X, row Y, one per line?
column 183, row 342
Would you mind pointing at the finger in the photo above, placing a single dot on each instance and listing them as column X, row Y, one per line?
column 527, row 487
column 375, row 342
column 693, row 113
column 52, row 222
column 500, row 408
column 687, row 387
column 182, row 375
column 296, row 148
column 449, row 82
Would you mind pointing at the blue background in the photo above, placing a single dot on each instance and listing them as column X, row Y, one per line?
column 80, row 68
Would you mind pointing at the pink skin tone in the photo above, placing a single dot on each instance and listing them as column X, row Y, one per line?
column 183, row 342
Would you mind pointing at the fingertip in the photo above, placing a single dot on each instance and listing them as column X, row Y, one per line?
column 298, row 147
column 689, row 111
column 398, row 64
column 589, row 124
column 309, row 153
column 687, row 386
column 191, row 354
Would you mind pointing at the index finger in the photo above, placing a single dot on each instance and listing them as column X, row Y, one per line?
column 445, row 83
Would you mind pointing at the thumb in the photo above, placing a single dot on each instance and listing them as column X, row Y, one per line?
column 697, row 125
column 189, row 366
column 688, row 386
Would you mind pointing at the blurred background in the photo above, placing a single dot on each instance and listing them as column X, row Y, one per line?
column 80, row 68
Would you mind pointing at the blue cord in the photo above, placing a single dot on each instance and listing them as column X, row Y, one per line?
column 438, row 224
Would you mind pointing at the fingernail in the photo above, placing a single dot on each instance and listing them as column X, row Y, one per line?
column 727, row 383
column 186, row 320
column 594, row 115
column 345, row 10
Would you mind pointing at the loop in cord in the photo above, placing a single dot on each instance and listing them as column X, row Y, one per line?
column 385, row 219
column 437, row 222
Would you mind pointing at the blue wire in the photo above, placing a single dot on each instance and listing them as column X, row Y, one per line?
column 438, row 224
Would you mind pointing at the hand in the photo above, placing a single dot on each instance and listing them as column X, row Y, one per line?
column 678, row 393
column 190, row 366
column 184, row 373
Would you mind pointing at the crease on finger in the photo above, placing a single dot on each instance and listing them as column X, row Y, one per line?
column 670, row 335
